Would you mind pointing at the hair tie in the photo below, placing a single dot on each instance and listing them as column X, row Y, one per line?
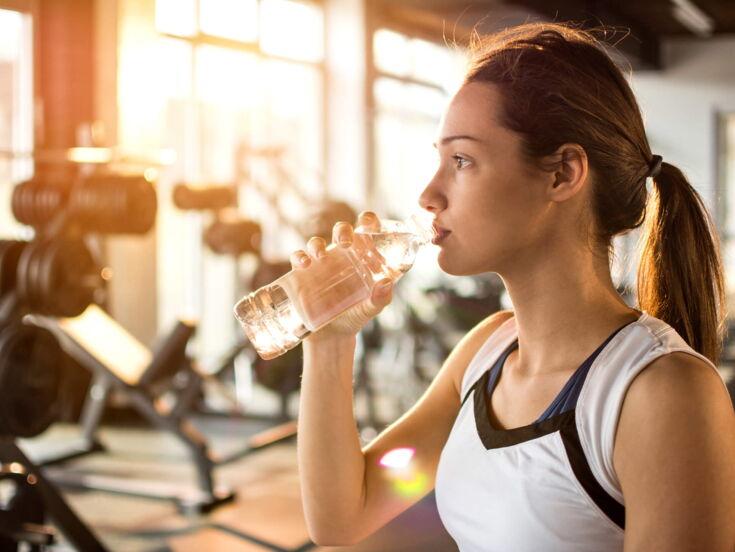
column 654, row 167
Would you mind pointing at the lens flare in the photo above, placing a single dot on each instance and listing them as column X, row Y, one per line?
column 397, row 458
column 411, row 486
column 407, row 481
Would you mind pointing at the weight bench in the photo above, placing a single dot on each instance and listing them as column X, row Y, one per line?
column 118, row 361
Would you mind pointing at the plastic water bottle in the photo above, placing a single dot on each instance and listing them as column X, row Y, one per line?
column 279, row 315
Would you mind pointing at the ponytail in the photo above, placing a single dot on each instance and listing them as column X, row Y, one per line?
column 680, row 276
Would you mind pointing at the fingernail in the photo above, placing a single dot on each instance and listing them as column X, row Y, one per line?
column 344, row 241
column 303, row 259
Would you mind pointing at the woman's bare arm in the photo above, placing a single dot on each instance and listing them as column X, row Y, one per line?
column 347, row 494
column 675, row 458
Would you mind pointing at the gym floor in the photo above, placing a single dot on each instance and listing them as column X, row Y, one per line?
column 266, row 514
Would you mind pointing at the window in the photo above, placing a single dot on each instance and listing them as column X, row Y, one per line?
column 413, row 81
column 210, row 79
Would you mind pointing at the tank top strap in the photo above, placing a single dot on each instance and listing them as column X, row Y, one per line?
column 488, row 354
column 601, row 397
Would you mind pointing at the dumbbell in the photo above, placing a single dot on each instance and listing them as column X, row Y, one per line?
column 36, row 202
column 214, row 198
column 233, row 235
column 57, row 277
column 114, row 204
column 109, row 204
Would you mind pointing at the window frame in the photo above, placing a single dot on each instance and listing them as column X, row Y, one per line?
column 253, row 47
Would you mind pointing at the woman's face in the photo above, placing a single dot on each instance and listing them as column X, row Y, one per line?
column 490, row 199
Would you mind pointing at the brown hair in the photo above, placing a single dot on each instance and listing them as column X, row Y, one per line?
column 558, row 85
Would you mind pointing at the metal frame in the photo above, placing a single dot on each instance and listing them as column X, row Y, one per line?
column 64, row 517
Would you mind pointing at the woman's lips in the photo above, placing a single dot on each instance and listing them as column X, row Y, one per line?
column 440, row 234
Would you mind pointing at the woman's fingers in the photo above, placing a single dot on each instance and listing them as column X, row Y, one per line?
column 342, row 234
column 316, row 246
column 368, row 221
column 300, row 259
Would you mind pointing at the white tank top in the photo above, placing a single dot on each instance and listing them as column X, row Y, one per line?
column 548, row 486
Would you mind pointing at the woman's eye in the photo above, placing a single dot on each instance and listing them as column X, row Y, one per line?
column 460, row 162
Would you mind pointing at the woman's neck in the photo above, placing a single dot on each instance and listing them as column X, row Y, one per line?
column 564, row 309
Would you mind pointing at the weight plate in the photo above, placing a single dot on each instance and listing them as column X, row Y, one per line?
column 23, row 278
column 47, row 286
column 5, row 284
column 30, row 375
column 10, row 252
column 37, row 300
column 68, row 278
column 29, row 204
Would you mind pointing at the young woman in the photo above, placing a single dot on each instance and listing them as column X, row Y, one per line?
column 572, row 422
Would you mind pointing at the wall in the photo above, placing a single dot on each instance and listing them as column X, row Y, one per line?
column 680, row 105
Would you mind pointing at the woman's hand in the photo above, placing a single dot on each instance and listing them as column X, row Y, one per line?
column 350, row 322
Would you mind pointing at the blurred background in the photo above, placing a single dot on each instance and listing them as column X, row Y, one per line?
column 182, row 149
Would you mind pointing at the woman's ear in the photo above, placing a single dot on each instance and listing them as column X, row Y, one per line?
column 570, row 170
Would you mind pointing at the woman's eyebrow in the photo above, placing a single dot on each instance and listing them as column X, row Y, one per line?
column 444, row 141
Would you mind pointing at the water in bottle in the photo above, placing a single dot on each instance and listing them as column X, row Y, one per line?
column 278, row 316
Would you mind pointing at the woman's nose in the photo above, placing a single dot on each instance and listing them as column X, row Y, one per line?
column 431, row 198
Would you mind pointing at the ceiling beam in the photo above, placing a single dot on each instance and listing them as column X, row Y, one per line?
column 639, row 45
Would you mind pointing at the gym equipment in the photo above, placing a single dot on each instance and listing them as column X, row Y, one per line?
column 22, row 515
column 118, row 361
column 201, row 198
column 33, row 498
column 233, row 235
column 229, row 232
column 55, row 275
column 10, row 251
column 58, row 277
column 102, row 203
column 30, row 376
column 114, row 204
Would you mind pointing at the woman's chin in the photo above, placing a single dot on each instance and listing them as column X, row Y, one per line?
column 457, row 267
column 449, row 265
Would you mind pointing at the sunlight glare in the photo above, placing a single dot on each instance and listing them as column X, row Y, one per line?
column 397, row 458
column 292, row 29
